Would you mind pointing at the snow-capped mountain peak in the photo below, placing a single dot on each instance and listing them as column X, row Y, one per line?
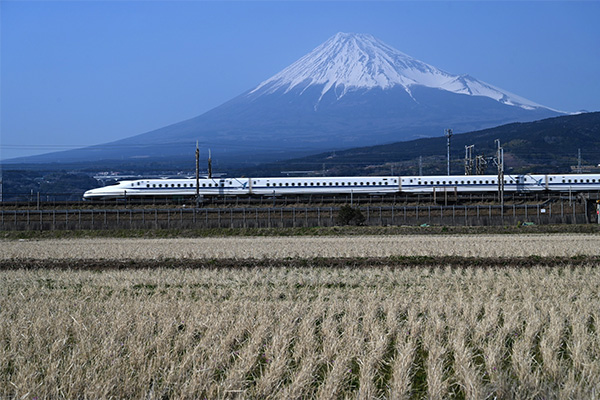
column 348, row 62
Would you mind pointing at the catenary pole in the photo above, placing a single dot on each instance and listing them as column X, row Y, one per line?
column 448, row 133
column 197, row 175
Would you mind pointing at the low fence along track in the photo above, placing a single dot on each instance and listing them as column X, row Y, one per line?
column 559, row 212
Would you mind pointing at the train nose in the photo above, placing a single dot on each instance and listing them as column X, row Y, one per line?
column 89, row 194
column 97, row 193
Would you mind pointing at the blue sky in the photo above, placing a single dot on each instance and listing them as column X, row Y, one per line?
column 77, row 73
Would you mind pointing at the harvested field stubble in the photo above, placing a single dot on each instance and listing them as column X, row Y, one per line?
column 435, row 332
column 560, row 245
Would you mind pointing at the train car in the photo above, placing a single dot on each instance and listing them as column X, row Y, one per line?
column 573, row 182
column 473, row 183
column 325, row 185
column 169, row 188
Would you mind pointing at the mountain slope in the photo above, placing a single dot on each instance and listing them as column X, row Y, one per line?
column 549, row 145
column 353, row 90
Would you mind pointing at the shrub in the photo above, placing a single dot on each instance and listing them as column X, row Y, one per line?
column 350, row 216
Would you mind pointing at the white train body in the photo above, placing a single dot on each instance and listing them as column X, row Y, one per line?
column 376, row 185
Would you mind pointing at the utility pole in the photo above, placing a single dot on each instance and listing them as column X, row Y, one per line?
column 197, row 175
column 500, row 163
column 448, row 133
column 209, row 165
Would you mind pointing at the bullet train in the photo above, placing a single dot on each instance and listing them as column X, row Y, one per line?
column 376, row 185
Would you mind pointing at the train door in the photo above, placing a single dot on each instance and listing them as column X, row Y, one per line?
column 520, row 183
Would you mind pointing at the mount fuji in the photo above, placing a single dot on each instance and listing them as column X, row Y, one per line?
column 353, row 90
column 353, row 62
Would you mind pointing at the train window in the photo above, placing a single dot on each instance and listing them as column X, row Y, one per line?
column 312, row 184
column 305, row 184
column 468, row 182
column 280, row 184
column 268, row 184
column 419, row 182
column 255, row 182
column 486, row 182
column 569, row 181
column 367, row 183
column 563, row 181
column 286, row 184
column 355, row 183
column 337, row 184
column 318, row 183
column 330, row 183
column 154, row 185
column 437, row 183
column 147, row 185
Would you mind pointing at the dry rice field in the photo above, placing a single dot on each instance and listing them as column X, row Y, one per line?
column 544, row 245
column 386, row 332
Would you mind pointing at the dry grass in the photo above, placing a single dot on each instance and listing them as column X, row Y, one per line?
column 561, row 245
column 288, row 333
